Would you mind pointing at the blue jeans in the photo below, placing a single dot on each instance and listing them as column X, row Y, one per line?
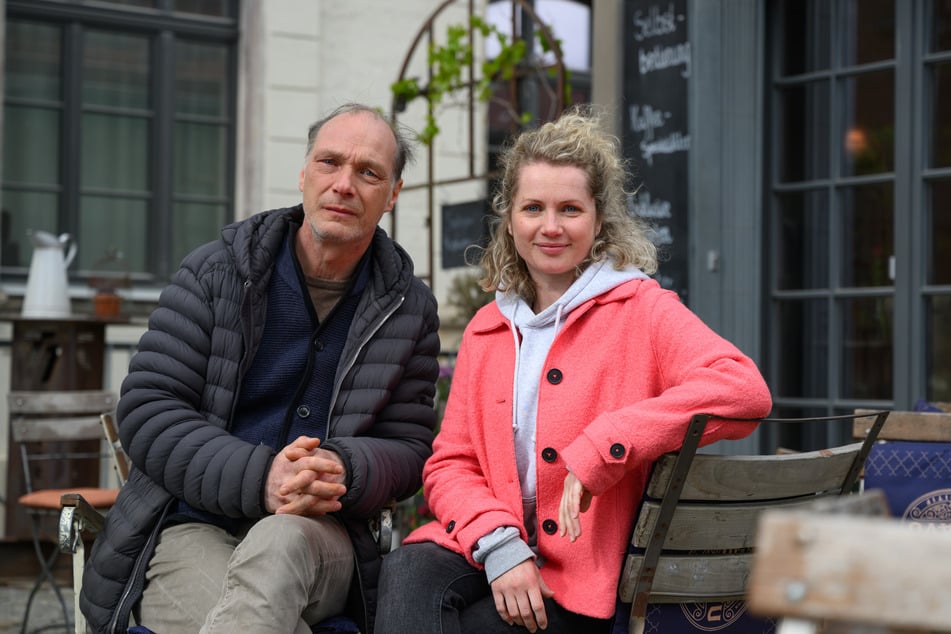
column 426, row 588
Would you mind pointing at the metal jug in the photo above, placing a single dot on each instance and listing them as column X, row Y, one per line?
column 47, row 286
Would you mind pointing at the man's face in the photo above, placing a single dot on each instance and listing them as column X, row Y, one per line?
column 347, row 180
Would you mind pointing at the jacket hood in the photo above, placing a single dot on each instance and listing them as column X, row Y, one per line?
column 254, row 242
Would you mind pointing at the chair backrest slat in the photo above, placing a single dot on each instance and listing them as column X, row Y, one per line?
column 710, row 526
column 715, row 477
column 55, row 429
column 70, row 402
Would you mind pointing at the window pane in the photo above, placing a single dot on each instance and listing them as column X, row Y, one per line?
column 869, row 144
column 939, row 232
column 222, row 8
column 869, row 31
column 802, row 246
column 569, row 21
column 803, row 348
column 31, row 145
column 940, row 23
column 200, row 159
column 201, row 79
column 113, row 224
column 805, row 35
column 939, row 150
column 114, row 153
column 115, row 70
column 804, row 132
column 32, row 65
column 23, row 212
column 192, row 225
column 938, row 348
column 867, row 235
column 866, row 332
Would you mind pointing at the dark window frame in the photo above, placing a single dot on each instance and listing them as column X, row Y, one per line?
column 164, row 27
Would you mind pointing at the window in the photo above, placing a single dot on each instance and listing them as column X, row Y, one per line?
column 535, row 90
column 118, row 129
column 860, row 264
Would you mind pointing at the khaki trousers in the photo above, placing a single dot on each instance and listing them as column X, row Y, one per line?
column 282, row 574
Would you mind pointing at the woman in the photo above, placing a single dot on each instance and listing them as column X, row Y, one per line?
column 566, row 389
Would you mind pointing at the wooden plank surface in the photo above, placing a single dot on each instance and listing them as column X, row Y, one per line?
column 56, row 429
column 708, row 526
column 912, row 426
column 61, row 402
column 697, row 577
column 715, row 477
column 864, row 570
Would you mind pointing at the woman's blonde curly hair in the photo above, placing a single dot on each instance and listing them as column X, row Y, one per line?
column 577, row 139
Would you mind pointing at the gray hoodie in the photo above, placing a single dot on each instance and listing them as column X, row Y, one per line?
column 503, row 549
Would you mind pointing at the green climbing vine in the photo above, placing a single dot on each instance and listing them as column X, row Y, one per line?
column 449, row 60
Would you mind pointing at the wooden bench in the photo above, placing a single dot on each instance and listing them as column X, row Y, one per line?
column 850, row 568
column 694, row 535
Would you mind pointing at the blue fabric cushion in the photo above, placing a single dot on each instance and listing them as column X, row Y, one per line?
column 916, row 479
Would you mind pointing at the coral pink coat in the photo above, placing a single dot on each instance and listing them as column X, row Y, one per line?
column 623, row 376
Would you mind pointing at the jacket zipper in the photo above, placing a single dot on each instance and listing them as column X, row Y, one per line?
column 353, row 358
column 148, row 547
column 248, row 322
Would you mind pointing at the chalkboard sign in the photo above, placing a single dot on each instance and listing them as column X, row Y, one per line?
column 657, row 65
column 463, row 225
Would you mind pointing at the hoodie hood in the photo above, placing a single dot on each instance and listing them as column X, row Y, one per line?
column 599, row 278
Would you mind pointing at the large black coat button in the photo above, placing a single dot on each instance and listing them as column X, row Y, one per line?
column 549, row 454
column 451, row 525
column 617, row 450
column 303, row 411
column 550, row 527
column 554, row 376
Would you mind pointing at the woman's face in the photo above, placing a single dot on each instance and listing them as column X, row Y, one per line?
column 553, row 222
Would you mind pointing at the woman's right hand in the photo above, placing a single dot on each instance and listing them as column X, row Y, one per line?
column 519, row 596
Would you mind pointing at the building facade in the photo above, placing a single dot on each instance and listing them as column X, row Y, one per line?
column 793, row 157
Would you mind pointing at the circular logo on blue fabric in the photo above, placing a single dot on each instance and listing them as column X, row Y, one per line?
column 933, row 507
column 711, row 617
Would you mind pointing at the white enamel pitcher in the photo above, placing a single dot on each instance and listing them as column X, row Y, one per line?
column 47, row 286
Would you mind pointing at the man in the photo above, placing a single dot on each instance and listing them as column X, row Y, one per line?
column 282, row 395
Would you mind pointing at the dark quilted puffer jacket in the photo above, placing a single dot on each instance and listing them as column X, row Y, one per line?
column 178, row 401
